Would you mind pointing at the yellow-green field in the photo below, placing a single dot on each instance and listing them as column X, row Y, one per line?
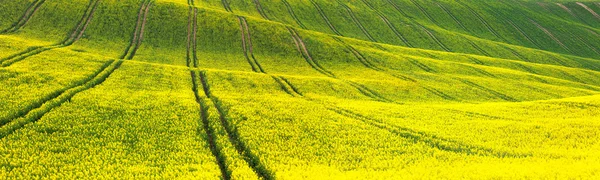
column 299, row 89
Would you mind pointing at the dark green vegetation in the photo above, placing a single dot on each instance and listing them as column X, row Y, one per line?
column 299, row 89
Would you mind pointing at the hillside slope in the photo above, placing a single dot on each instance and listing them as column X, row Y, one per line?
column 299, row 89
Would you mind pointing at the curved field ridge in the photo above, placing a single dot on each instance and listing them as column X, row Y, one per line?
column 299, row 89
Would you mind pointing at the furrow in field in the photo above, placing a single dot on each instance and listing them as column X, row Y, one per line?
column 356, row 21
column 523, row 33
column 452, row 16
column 293, row 14
column 550, row 35
column 389, row 24
column 587, row 45
column 440, row 94
column 249, row 49
column 432, row 36
column 479, row 48
column 519, row 55
column 210, row 132
column 430, row 140
column 57, row 99
column 306, row 54
column 421, row 65
column 589, row 10
column 134, row 37
column 424, row 11
column 31, row 10
column 491, row 91
column 75, row 35
column 234, row 137
column 245, row 45
column 482, row 20
column 294, row 88
column 260, row 9
column 566, row 9
column 226, row 6
column 544, row 6
column 141, row 31
column 324, row 16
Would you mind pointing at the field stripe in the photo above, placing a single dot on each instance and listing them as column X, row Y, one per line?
column 226, row 6
column 191, row 56
column 491, row 91
column 479, row 48
column 423, row 11
column 550, row 35
column 31, row 10
column 141, row 31
column 523, row 33
column 245, row 45
column 234, row 137
column 76, row 35
column 589, row 10
column 58, row 99
column 452, row 16
column 324, row 16
column 430, row 140
column 356, row 21
column 389, row 24
column 482, row 20
column 260, row 9
column 134, row 37
column 587, row 45
column 293, row 14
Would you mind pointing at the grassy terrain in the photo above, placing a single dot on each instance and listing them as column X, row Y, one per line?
column 299, row 89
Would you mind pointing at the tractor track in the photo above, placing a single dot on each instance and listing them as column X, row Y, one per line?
column 70, row 40
column 389, row 24
column 226, row 6
column 137, row 36
column 452, row 16
column 551, row 35
column 306, row 54
column 31, row 10
column 424, row 11
column 232, row 132
column 423, row 28
column 356, row 21
column 191, row 57
column 260, row 9
column 55, row 100
column 513, row 25
column 491, row 91
column 517, row 54
column 247, row 46
column 482, row 20
column 430, row 140
column 479, row 48
column 293, row 14
column 324, row 16
column 589, row 10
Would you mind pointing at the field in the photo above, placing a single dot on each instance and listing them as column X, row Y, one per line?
column 299, row 89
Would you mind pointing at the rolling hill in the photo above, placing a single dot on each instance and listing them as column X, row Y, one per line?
column 299, row 89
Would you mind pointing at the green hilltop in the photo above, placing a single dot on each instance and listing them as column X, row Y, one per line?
column 299, row 89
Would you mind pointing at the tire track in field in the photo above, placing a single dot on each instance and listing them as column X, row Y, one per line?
column 356, row 21
column 422, row 11
column 293, row 14
column 233, row 134
column 517, row 54
column 315, row 65
column 423, row 28
column 260, row 9
column 138, row 34
column 478, row 48
column 491, row 91
column 388, row 23
column 499, row 16
column 589, row 10
column 452, row 16
column 70, row 40
column 587, row 45
column 482, row 20
column 226, row 6
column 56, row 99
column 247, row 46
column 550, row 35
column 324, row 16
column 565, row 8
column 31, row 10
column 430, row 140
column 192, row 62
